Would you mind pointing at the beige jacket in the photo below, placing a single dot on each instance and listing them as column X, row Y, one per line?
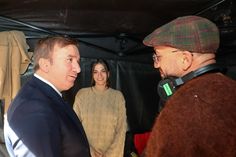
column 14, row 61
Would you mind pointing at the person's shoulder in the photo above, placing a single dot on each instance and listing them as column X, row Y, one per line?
column 228, row 79
column 209, row 81
column 23, row 108
column 116, row 91
column 217, row 78
column 84, row 90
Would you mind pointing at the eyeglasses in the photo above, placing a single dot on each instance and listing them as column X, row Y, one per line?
column 156, row 58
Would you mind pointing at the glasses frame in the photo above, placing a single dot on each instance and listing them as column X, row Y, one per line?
column 155, row 57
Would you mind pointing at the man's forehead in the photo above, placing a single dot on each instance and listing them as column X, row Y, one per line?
column 67, row 51
column 162, row 48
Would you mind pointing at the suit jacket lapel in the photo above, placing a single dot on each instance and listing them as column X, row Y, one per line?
column 60, row 103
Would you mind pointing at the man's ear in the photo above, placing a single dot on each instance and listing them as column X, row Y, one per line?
column 44, row 64
column 187, row 60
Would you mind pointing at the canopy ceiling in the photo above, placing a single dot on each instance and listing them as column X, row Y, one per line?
column 132, row 19
column 114, row 16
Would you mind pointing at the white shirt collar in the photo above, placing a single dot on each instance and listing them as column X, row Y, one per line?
column 47, row 82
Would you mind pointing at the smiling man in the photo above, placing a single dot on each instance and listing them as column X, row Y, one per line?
column 39, row 123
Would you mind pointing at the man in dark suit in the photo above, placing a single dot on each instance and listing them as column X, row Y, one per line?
column 39, row 123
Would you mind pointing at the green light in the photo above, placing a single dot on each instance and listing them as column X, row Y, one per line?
column 167, row 89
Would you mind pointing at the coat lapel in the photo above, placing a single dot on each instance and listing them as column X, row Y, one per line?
column 59, row 103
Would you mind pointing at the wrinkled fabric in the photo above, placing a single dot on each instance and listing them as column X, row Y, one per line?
column 14, row 61
column 199, row 120
column 103, row 116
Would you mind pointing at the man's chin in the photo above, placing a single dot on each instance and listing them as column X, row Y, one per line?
column 162, row 75
column 73, row 79
column 70, row 85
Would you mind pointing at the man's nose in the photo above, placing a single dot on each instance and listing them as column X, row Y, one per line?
column 77, row 68
column 156, row 65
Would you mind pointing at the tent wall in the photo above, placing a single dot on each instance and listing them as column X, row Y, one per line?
column 137, row 81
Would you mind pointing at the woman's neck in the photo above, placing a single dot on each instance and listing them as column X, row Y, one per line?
column 100, row 87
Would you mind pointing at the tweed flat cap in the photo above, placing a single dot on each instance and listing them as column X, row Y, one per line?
column 191, row 33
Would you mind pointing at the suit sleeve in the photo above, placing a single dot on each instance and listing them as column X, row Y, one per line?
column 37, row 127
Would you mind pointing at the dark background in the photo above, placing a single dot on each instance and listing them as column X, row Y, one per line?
column 114, row 30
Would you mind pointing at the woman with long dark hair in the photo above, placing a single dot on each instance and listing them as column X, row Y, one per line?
column 102, row 112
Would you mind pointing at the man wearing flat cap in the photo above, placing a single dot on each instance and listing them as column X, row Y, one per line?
column 199, row 116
